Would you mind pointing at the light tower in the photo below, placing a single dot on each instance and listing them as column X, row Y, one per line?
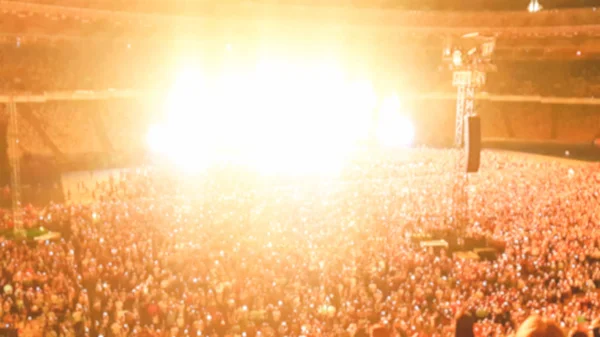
column 469, row 57
column 15, row 167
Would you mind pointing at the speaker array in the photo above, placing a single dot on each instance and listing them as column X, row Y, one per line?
column 473, row 143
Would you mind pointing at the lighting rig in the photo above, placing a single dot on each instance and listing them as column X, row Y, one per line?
column 15, row 168
column 469, row 58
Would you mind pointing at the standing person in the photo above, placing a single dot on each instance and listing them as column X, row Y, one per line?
column 536, row 326
column 464, row 325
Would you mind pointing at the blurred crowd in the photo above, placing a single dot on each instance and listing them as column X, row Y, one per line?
column 232, row 253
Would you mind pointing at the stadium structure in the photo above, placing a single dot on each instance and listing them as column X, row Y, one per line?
column 273, row 168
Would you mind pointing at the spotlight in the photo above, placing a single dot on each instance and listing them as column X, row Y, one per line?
column 457, row 58
column 534, row 6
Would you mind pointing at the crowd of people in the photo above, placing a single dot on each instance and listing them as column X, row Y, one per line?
column 233, row 253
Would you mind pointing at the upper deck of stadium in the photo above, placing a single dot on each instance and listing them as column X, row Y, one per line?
column 187, row 7
column 376, row 14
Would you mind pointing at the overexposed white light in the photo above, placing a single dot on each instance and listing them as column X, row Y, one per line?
column 279, row 117
column 156, row 139
column 186, row 96
column 169, row 144
column 394, row 129
column 189, row 129
column 457, row 58
column 534, row 6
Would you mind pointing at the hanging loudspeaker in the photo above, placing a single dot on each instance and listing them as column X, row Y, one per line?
column 473, row 143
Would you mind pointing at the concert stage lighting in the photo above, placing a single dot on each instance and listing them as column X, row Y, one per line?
column 534, row 6
column 276, row 117
column 394, row 129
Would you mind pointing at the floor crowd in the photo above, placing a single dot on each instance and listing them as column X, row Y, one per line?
column 230, row 253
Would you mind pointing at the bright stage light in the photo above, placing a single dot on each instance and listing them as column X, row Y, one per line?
column 169, row 144
column 184, row 96
column 295, row 162
column 283, row 118
column 394, row 130
column 156, row 139
column 534, row 6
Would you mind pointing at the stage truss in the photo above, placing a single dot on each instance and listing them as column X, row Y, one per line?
column 467, row 82
column 15, row 166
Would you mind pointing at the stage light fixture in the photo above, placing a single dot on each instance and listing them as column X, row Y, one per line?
column 534, row 6
column 457, row 58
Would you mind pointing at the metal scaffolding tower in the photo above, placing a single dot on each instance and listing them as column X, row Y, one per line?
column 466, row 82
column 15, row 166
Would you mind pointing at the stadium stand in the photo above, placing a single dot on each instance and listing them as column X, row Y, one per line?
column 59, row 119
column 127, row 127
column 29, row 140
